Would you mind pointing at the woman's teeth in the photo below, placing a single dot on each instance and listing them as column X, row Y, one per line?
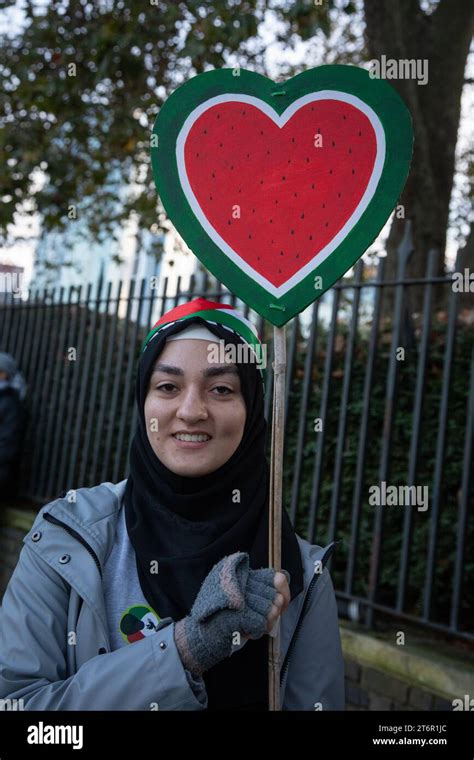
column 187, row 437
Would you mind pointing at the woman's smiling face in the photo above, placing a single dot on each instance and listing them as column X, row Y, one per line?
column 188, row 394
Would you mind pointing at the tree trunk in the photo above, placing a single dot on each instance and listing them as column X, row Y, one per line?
column 401, row 30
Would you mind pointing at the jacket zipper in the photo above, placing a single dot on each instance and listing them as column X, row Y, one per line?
column 304, row 610
column 75, row 535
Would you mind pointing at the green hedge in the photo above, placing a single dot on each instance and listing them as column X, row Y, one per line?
column 399, row 460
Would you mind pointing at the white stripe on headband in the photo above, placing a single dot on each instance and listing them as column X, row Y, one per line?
column 195, row 332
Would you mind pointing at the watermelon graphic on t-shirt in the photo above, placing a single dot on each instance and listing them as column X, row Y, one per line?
column 138, row 621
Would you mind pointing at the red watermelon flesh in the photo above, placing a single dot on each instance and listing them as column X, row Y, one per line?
column 293, row 197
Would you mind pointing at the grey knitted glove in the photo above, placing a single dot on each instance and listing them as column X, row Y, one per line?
column 232, row 599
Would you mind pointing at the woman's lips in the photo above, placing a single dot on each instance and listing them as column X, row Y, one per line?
column 191, row 444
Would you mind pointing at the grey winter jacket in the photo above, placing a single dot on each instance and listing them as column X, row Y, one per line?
column 54, row 643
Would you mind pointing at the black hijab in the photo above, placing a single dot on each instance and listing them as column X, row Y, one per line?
column 188, row 524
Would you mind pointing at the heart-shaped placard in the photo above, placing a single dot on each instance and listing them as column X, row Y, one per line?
column 279, row 188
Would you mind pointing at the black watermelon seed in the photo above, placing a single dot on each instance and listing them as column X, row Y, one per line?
column 261, row 181
column 258, row 258
column 270, row 220
column 250, row 237
column 197, row 155
column 330, row 171
column 292, row 232
column 213, row 174
column 210, row 197
column 302, row 215
column 289, row 160
column 324, row 205
column 229, row 222
column 283, row 177
column 310, row 237
column 360, row 134
column 295, row 194
column 339, row 195
column 333, row 144
column 307, row 160
column 327, row 224
column 205, row 131
column 220, row 145
column 248, row 155
column 268, row 152
column 297, row 255
column 281, row 253
column 261, row 131
column 253, row 211
column 312, row 187
column 344, row 117
column 353, row 171
column 350, row 150
column 292, row 139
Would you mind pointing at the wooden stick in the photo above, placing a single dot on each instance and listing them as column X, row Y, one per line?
column 276, row 492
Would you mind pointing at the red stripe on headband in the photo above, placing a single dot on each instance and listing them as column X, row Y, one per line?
column 197, row 304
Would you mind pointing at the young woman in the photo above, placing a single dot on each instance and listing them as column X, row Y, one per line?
column 154, row 593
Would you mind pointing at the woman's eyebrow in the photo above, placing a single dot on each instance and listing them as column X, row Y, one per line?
column 221, row 370
column 224, row 369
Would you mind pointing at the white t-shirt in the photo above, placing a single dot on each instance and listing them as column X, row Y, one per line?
column 129, row 615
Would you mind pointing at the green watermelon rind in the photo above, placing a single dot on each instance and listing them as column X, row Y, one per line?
column 376, row 93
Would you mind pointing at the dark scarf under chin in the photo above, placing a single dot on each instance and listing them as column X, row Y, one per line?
column 188, row 524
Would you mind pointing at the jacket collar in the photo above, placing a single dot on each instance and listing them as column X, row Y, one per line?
column 92, row 512
column 88, row 517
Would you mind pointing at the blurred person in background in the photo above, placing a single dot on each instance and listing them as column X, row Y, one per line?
column 12, row 424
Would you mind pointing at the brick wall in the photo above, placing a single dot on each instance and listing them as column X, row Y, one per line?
column 370, row 689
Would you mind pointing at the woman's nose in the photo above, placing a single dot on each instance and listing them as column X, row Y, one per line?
column 192, row 405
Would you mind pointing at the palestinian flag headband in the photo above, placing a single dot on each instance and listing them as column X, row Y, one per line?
column 218, row 314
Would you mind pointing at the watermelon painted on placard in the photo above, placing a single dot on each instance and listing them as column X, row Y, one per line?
column 280, row 188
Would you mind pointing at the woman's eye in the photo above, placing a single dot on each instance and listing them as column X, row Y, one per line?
column 223, row 388
column 165, row 385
